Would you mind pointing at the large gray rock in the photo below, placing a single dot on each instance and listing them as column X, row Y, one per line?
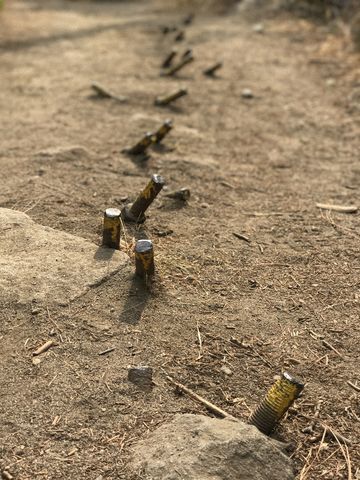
column 195, row 447
column 46, row 265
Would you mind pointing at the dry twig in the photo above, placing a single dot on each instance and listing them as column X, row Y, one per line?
column 210, row 406
column 200, row 342
column 355, row 387
column 242, row 237
column 44, row 347
column 108, row 350
column 338, row 208
column 328, row 345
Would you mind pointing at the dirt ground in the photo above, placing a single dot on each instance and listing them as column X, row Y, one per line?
column 256, row 167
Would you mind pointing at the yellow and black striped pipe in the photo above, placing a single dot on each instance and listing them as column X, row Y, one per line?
column 135, row 212
column 276, row 402
column 112, row 228
column 144, row 259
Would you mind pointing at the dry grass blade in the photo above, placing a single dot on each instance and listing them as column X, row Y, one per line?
column 306, row 468
column 345, row 451
column 200, row 342
column 338, row 208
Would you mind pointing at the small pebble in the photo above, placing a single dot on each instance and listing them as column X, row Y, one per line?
column 247, row 93
column 141, row 376
column 258, row 28
column 226, row 370
column 330, row 82
column 204, row 205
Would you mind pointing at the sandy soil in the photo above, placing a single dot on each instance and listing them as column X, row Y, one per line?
column 255, row 167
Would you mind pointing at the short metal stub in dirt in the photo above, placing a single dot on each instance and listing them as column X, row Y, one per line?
column 102, row 92
column 247, row 93
column 258, row 28
column 178, row 66
column 278, row 400
column 161, row 133
column 168, row 29
column 179, row 37
column 141, row 376
column 169, row 58
column 210, row 72
column 144, row 259
column 187, row 53
column 183, row 194
column 141, row 147
column 135, row 212
column 112, row 228
column 163, row 101
column 188, row 20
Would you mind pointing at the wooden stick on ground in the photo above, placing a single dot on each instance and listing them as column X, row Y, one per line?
column 44, row 347
column 108, row 350
column 338, row 208
column 210, row 406
column 355, row 387
column 328, row 345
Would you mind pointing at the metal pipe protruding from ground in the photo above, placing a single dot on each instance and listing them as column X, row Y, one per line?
column 163, row 101
column 144, row 259
column 178, row 66
column 169, row 58
column 210, row 72
column 179, row 37
column 112, row 228
column 188, row 19
column 161, row 133
column 135, row 212
column 140, row 147
column 276, row 403
column 101, row 92
column 187, row 53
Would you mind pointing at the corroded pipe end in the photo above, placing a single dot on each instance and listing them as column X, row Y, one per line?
column 161, row 133
column 112, row 228
column 141, row 147
column 210, row 72
column 129, row 217
column 144, row 259
column 177, row 67
column 163, row 101
column 135, row 212
column 277, row 401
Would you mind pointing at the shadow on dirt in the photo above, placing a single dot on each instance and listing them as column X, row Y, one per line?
column 14, row 45
column 135, row 304
column 104, row 253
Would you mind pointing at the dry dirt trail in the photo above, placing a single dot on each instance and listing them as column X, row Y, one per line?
column 255, row 167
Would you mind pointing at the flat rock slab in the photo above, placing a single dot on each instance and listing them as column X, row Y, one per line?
column 41, row 264
column 195, row 447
